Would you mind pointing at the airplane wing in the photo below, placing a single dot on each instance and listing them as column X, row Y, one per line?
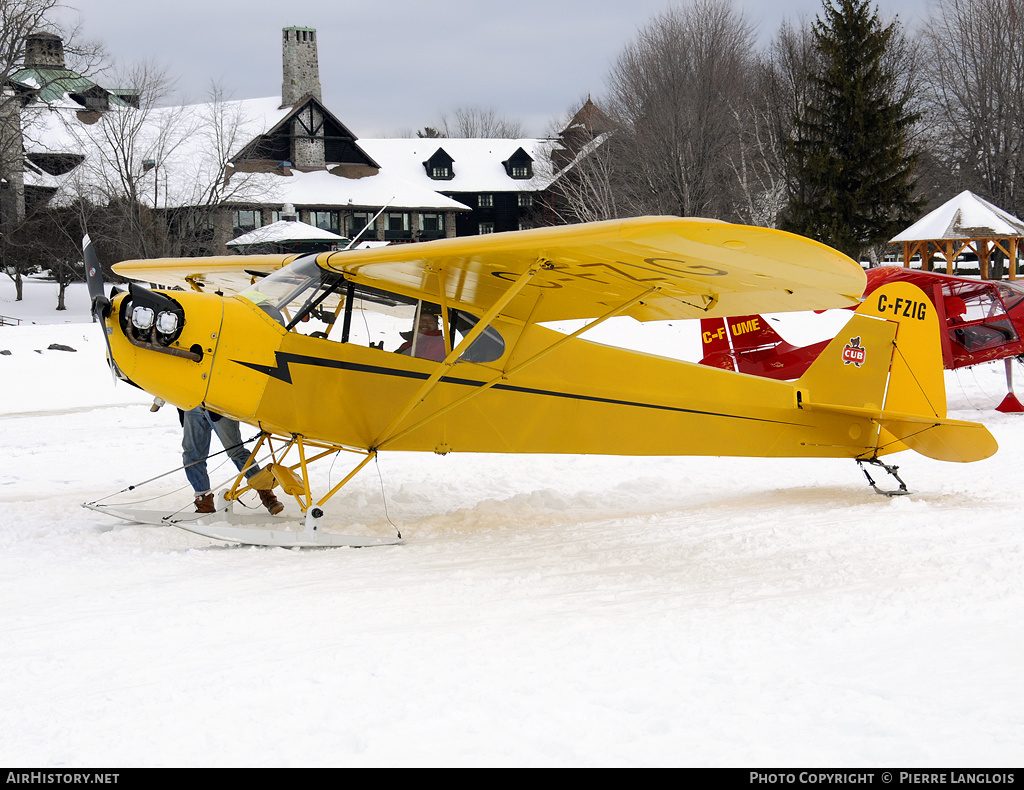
column 227, row 274
column 699, row 268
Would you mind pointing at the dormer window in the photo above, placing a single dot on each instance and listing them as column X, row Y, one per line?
column 440, row 166
column 519, row 165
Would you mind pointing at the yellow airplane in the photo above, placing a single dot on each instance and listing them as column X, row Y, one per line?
column 306, row 351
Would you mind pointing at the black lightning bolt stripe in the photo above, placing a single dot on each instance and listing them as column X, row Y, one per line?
column 282, row 372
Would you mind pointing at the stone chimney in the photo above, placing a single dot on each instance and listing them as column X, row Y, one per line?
column 46, row 51
column 301, row 67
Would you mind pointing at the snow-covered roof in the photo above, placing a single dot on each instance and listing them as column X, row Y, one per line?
column 181, row 153
column 966, row 216
column 477, row 163
column 285, row 231
column 321, row 188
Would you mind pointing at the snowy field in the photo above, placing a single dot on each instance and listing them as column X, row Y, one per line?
column 543, row 611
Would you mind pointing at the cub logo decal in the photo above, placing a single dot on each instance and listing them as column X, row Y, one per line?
column 854, row 353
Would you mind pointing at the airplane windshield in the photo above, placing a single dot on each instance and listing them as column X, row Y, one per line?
column 977, row 316
column 1012, row 294
column 309, row 300
column 289, row 288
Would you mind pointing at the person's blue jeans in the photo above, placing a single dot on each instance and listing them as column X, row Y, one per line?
column 198, row 426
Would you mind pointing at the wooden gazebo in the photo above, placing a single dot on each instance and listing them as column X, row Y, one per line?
column 964, row 224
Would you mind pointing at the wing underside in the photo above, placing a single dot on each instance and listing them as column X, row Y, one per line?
column 227, row 274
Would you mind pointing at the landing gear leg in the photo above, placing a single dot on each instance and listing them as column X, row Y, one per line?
column 890, row 469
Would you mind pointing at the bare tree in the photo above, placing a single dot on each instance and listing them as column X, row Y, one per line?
column 976, row 77
column 586, row 189
column 117, row 146
column 674, row 93
column 18, row 20
column 584, row 166
column 780, row 90
column 477, row 122
column 205, row 181
column 155, row 178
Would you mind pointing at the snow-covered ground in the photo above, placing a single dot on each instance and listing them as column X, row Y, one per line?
column 547, row 611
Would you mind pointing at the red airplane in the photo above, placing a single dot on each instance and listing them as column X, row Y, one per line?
column 984, row 321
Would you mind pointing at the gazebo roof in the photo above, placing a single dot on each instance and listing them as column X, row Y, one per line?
column 966, row 216
column 283, row 232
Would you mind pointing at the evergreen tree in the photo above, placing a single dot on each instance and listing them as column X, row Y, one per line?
column 853, row 170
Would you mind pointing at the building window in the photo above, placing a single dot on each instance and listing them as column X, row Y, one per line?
column 525, row 200
column 325, row 220
column 485, row 227
column 520, row 171
column 360, row 220
column 432, row 223
column 397, row 222
column 485, row 201
column 397, row 226
column 246, row 220
column 524, row 225
column 440, row 172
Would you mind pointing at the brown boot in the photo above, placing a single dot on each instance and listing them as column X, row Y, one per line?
column 270, row 502
column 204, row 504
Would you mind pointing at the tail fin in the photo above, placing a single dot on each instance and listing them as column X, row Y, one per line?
column 750, row 332
column 886, row 365
column 714, row 338
column 749, row 344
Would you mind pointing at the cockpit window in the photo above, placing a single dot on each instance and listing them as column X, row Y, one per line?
column 309, row 300
column 1011, row 293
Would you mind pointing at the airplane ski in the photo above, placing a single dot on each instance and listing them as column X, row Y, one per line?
column 254, row 529
column 303, row 539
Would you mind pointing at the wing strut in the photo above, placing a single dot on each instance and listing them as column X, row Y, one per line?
column 507, row 374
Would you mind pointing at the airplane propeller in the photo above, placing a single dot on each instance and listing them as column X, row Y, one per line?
column 100, row 302
column 94, row 278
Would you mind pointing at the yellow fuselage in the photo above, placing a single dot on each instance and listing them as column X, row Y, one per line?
column 580, row 398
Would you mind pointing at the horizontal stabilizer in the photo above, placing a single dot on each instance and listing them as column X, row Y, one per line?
column 938, row 438
column 949, row 440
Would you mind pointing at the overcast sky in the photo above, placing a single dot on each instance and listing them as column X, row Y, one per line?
column 393, row 67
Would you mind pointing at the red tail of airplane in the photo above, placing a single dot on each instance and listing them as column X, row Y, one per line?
column 748, row 344
column 980, row 321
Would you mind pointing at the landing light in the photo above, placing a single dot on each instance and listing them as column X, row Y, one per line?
column 166, row 322
column 142, row 318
